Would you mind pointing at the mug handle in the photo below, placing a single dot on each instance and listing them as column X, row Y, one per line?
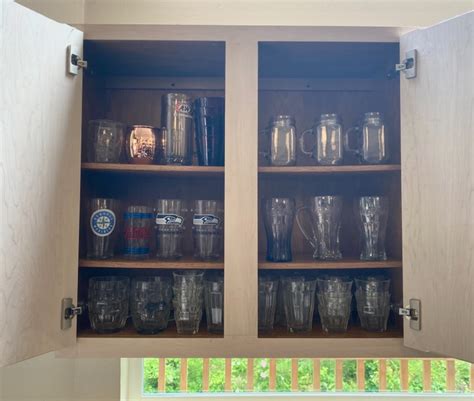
column 347, row 136
column 301, row 142
column 311, row 238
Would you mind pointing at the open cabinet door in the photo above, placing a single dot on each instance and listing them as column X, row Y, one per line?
column 40, row 110
column 437, row 146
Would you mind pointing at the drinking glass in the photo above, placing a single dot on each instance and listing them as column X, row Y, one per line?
column 188, row 288
column 177, row 121
column 327, row 147
column 137, row 222
column 150, row 303
column 278, row 215
column 208, row 221
column 169, row 221
column 214, row 303
column 267, row 301
column 210, row 127
column 325, row 218
column 108, row 299
column 373, row 302
column 372, row 145
column 281, row 139
column 141, row 144
column 299, row 299
column 105, row 141
column 101, row 228
column 334, row 303
column 372, row 213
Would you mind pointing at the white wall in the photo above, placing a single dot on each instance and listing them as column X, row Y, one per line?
column 47, row 378
column 388, row 13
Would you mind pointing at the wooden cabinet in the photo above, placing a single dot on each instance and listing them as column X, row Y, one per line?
column 260, row 71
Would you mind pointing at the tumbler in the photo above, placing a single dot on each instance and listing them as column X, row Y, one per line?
column 105, row 141
column 137, row 222
column 334, row 303
column 209, row 124
column 267, row 302
column 108, row 299
column 102, row 228
column 188, row 289
column 278, row 215
column 373, row 302
column 150, row 303
column 214, row 303
column 169, row 219
column 372, row 213
column 177, row 122
column 299, row 300
column 325, row 214
column 208, row 221
column 141, row 144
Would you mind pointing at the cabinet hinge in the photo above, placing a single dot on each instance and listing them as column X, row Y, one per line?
column 413, row 313
column 68, row 312
column 408, row 65
column 74, row 61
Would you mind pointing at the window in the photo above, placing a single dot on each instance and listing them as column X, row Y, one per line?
column 153, row 377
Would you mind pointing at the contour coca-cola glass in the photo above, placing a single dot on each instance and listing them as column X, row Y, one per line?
column 150, row 303
column 278, row 215
column 372, row 213
column 325, row 223
column 108, row 299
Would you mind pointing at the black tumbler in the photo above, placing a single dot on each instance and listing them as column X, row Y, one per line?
column 209, row 123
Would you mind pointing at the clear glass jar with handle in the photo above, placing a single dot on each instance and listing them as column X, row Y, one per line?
column 371, row 139
column 327, row 147
column 281, row 139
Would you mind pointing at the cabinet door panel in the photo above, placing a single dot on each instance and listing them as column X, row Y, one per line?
column 40, row 109
column 438, row 187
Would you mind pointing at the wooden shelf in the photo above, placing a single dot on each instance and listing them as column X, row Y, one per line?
column 122, row 263
column 130, row 332
column 317, row 332
column 308, row 170
column 307, row 262
column 154, row 169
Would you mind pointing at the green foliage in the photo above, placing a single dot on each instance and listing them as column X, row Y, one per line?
column 305, row 375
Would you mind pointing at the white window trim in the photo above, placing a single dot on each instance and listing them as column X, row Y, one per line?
column 131, row 378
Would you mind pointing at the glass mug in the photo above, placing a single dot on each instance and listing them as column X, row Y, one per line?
column 371, row 139
column 107, row 303
column 150, row 303
column 281, row 141
column 325, row 219
column 327, row 146
column 278, row 216
column 105, row 141
column 372, row 214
